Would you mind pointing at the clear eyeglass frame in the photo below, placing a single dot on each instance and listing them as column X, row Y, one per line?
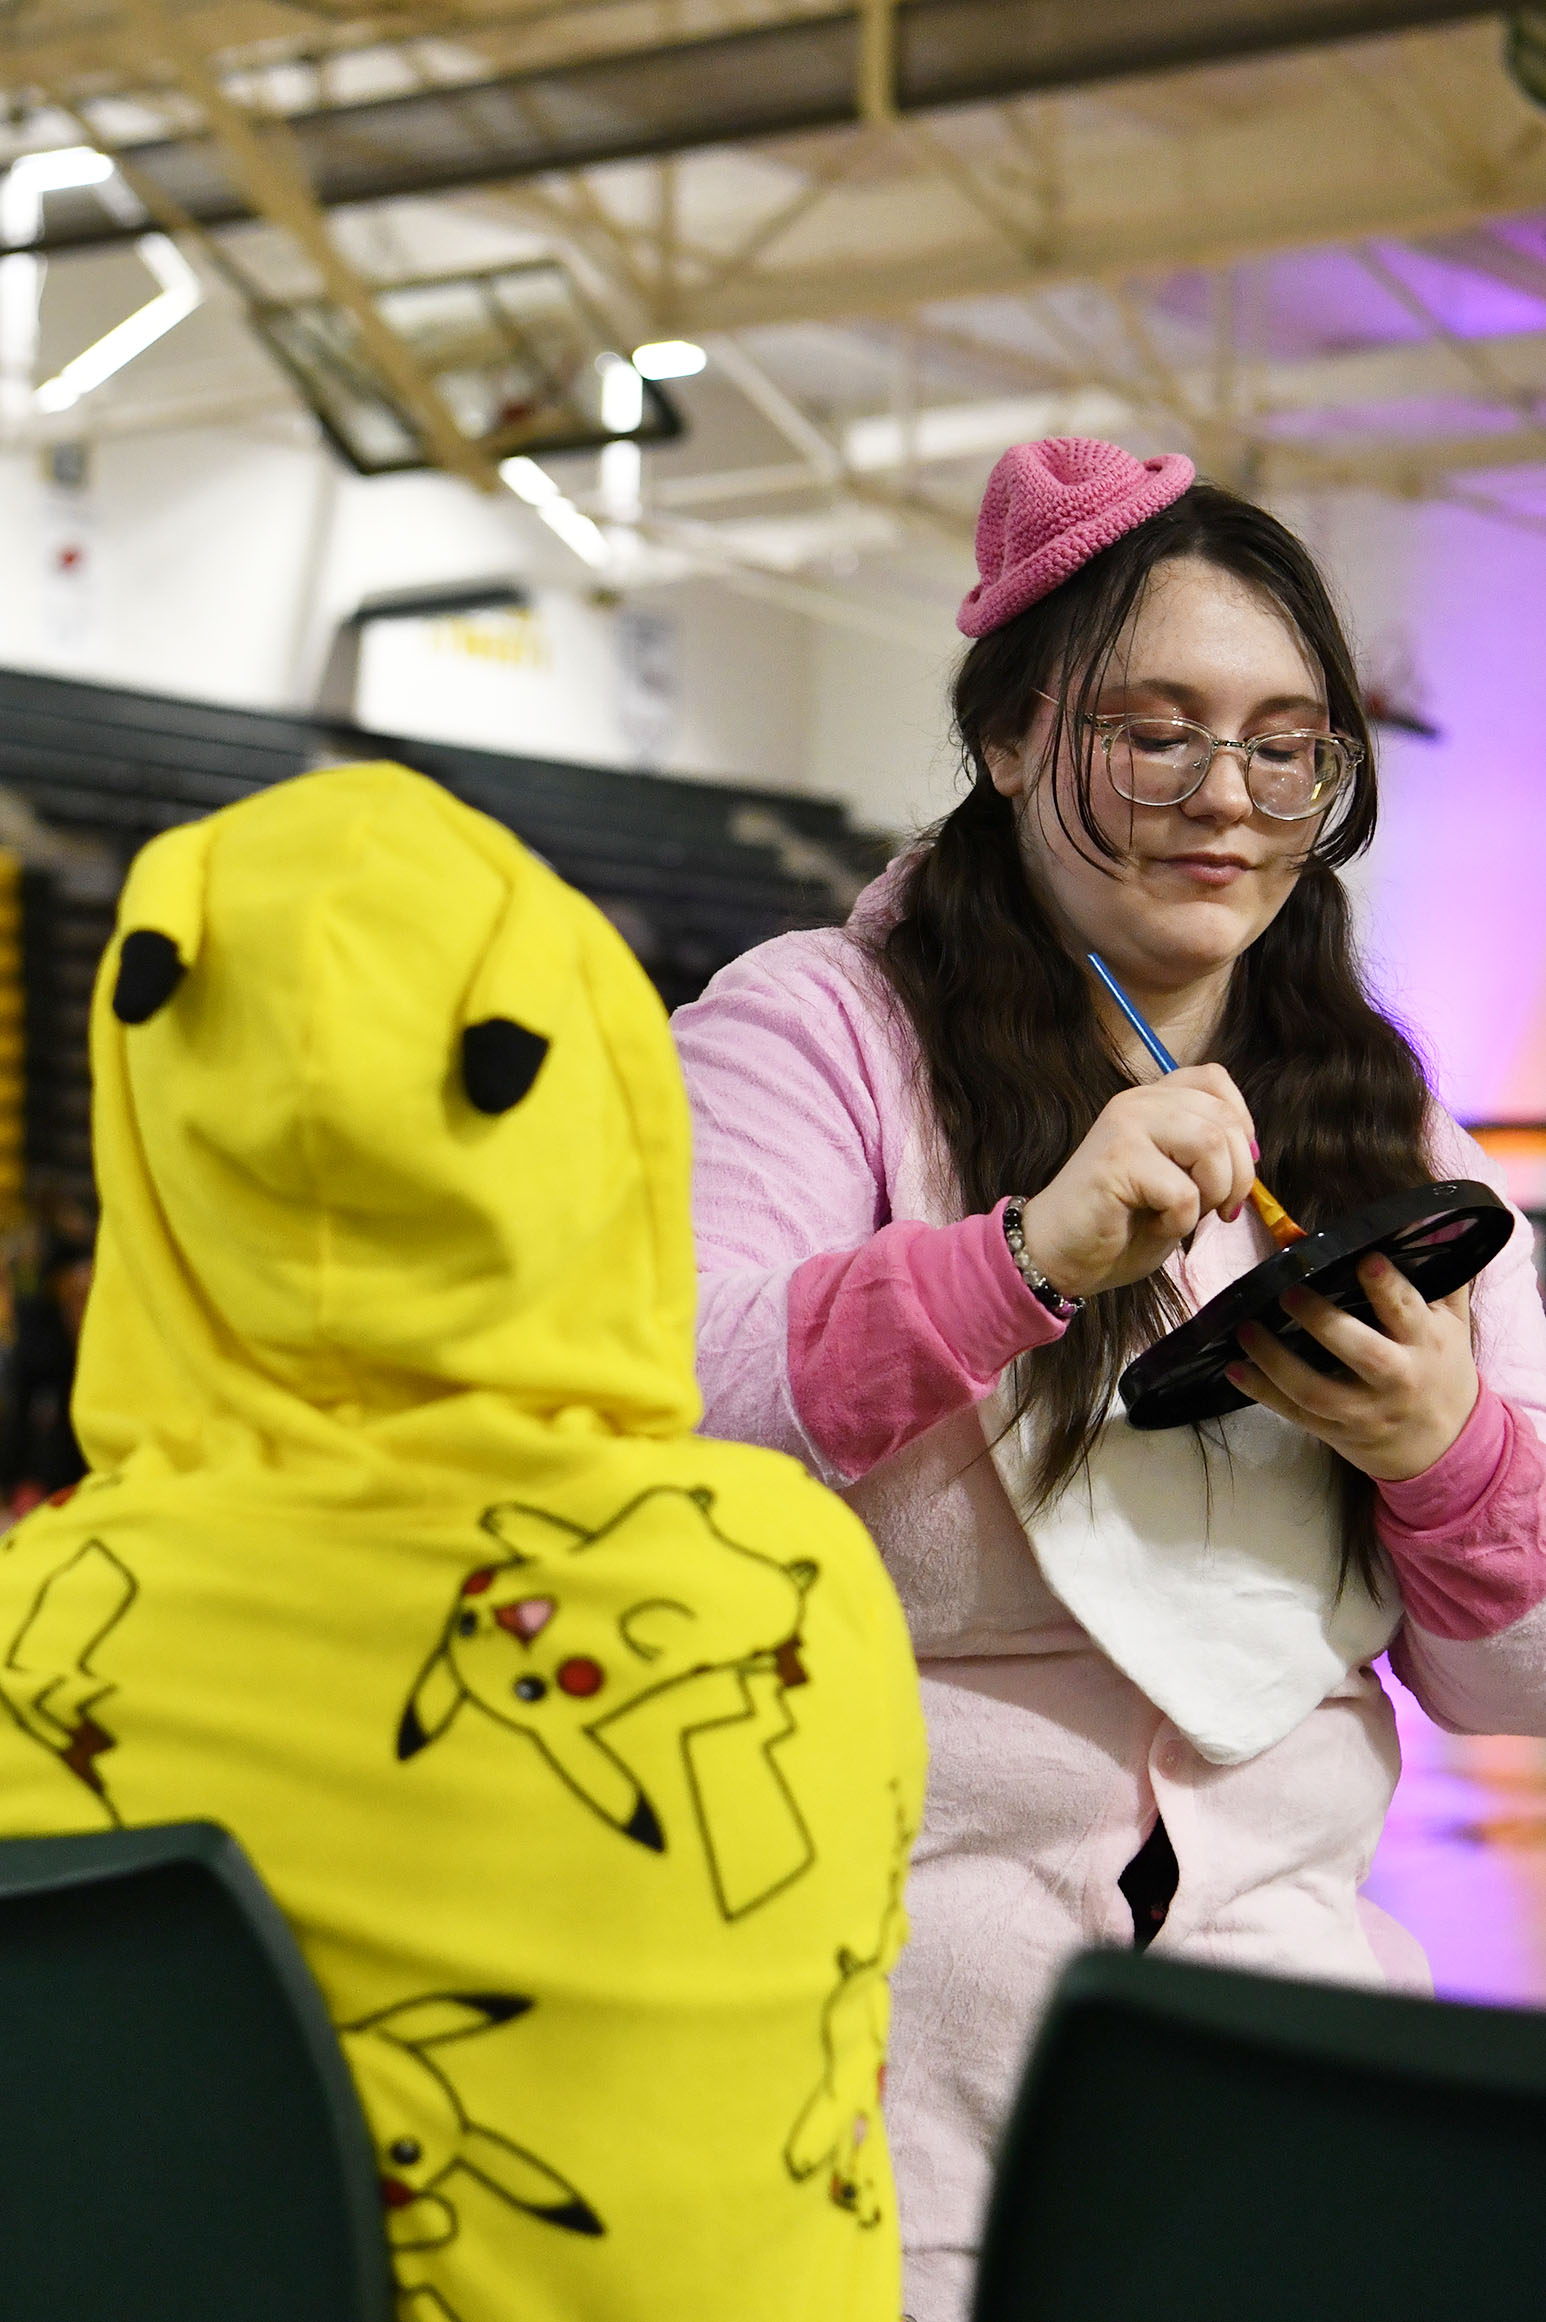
column 1334, row 760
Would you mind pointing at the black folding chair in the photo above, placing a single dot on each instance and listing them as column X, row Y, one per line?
column 180, row 2140
column 1191, row 2145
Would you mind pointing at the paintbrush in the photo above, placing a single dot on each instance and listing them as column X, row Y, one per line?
column 1268, row 1208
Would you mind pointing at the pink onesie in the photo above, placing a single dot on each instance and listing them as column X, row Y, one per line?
column 850, row 1316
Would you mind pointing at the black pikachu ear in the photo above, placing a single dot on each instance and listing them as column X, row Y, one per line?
column 500, row 1060
column 149, row 972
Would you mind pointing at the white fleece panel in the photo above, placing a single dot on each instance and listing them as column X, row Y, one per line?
column 1208, row 1570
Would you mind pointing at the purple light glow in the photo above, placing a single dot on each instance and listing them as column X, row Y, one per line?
column 1316, row 302
column 1455, row 889
column 1313, row 302
column 1462, row 1863
column 1472, row 304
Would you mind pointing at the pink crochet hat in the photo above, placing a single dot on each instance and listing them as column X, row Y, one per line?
column 1051, row 506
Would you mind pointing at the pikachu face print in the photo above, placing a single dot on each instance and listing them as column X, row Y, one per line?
column 571, row 1631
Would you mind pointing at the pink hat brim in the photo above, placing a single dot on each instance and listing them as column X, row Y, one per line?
column 1048, row 508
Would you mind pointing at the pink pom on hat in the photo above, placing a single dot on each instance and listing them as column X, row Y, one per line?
column 1051, row 506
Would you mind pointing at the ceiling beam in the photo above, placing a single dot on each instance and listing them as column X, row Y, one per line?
column 1482, row 252
column 802, row 74
column 1409, row 467
column 1156, row 238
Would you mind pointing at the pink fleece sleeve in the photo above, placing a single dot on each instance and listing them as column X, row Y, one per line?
column 888, row 1339
column 790, row 1157
column 826, row 1327
column 1468, row 1536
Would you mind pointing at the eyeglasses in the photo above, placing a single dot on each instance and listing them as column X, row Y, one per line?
column 1161, row 761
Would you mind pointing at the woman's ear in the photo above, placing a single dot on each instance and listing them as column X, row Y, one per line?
column 1006, row 768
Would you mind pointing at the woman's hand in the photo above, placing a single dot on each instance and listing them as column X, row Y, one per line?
column 1156, row 1160
column 1413, row 1383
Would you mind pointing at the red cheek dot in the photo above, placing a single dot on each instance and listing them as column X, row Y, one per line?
column 477, row 1582
column 580, row 1677
column 395, row 2194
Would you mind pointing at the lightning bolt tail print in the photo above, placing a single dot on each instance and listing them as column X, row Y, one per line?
column 754, row 1835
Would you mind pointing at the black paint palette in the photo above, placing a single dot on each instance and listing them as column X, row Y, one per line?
column 1439, row 1235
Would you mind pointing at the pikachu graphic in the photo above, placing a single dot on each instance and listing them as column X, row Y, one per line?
column 48, row 1680
column 428, row 2148
column 837, row 2130
column 572, row 1630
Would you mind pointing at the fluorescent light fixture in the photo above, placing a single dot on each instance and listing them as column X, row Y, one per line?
column 622, row 395
column 32, row 175
column 64, row 165
column 529, row 482
column 622, row 480
column 180, row 293
column 668, row 359
column 536, row 487
column 575, row 531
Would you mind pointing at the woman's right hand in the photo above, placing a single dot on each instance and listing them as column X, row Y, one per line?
column 1156, row 1160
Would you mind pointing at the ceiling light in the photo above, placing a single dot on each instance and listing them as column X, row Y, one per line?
column 668, row 359
column 32, row 175
column 181, row 292
column 622, row 395
column 64, row 165
column 621, row 481
column 575, row 531
column 528, row 482
column 536, row 487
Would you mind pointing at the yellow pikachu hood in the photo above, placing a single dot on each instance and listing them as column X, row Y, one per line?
column 583, row 1754
column 395, row 1153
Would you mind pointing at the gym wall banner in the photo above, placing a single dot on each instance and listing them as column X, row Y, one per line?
column 559, row 677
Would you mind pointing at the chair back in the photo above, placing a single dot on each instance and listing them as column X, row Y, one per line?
column 180, row 2140
column 1195, row 2145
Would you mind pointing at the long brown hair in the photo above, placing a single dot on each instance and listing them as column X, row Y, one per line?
column 1014, row 1054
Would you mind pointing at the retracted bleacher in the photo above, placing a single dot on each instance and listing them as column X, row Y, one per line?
column 692, row 873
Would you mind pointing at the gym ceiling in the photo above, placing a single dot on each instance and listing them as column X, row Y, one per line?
column 1303, row 239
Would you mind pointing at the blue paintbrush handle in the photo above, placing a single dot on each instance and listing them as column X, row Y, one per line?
column 1151, row 1040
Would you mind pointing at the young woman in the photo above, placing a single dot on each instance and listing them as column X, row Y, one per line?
column 1146, row 1658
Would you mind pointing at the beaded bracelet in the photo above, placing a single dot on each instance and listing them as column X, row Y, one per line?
column 1061, row 1308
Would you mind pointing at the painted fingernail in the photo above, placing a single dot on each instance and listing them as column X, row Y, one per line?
column 1230, row 1215
column 1293, row 1300
column 1377, row 1265
column 1235, row 1373
column 1255, row 1150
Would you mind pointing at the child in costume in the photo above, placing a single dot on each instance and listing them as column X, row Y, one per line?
column 582, row 1754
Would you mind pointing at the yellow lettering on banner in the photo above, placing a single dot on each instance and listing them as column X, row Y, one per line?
column 517, row 638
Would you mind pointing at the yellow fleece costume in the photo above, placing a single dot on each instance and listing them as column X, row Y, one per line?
column 582, row 1754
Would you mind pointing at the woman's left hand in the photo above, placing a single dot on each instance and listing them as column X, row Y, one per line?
column 1413, row 1384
